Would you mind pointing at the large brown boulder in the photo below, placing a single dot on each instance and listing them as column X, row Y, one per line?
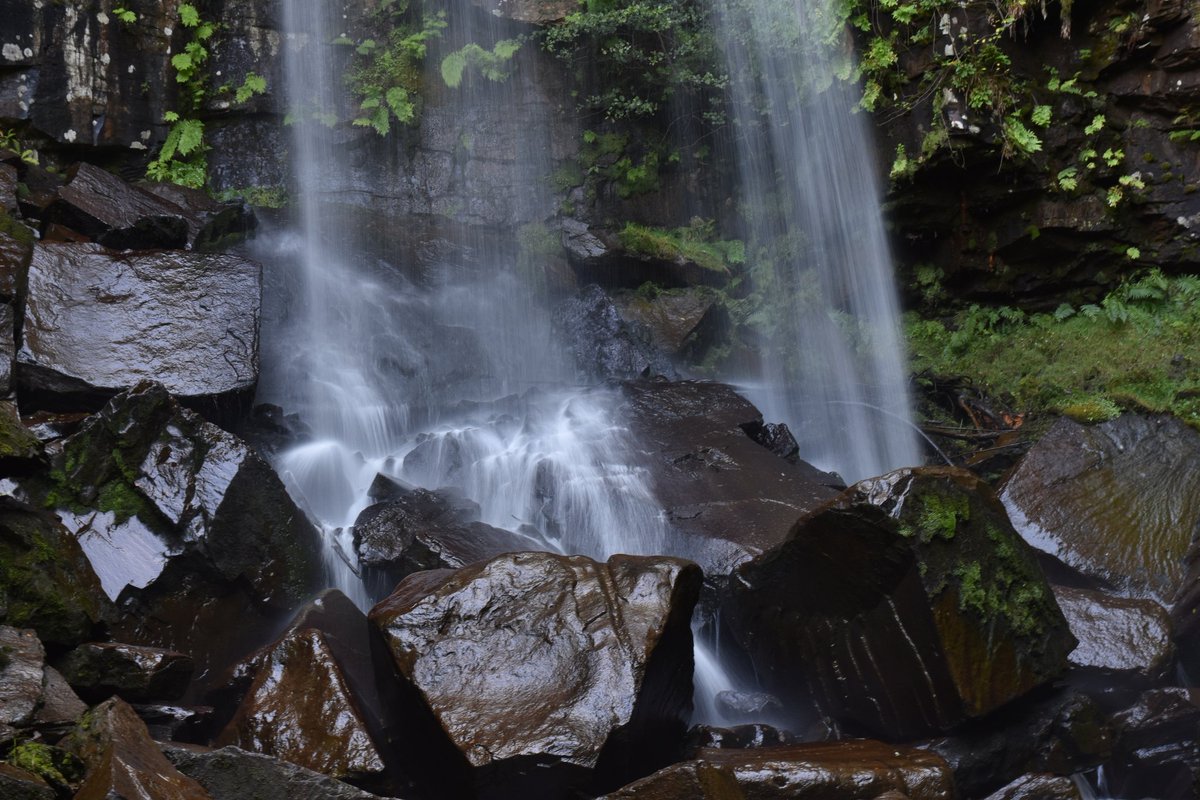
column 855, row 770
column 231, row 773
column 545, row 671
column 907, row 604
column 1118, row 636
column 107, row 210
column 98, row 322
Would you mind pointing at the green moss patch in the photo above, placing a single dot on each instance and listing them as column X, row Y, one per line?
column 695, row 243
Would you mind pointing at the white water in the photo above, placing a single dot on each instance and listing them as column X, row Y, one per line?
column 835, row 365
column 416, row 379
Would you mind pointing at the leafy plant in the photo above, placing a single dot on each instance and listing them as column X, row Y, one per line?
column 182, row 158
column 386, row 79
column 125, row 15
column 492, row 64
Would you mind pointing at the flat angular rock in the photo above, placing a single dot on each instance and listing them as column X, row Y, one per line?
column 1117, row 635
column 231, row 773
column 1116, row 501
column 98, row 670
column 210, row 222
column 16, row 251
column 1157, row 750
column 60, row 704
column 1038, row 787
column 679, row 320
column 539, row 668
column 727, row 497
column 18, row 445
column 109, row 211
column 906, row 605
column 855, row 770
column 17, row 784
column 300, row 708
column 123, row 761
column 98, row 322
column 21, row 661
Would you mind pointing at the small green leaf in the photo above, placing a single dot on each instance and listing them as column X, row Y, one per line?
column 1095, row 126
column 1041, row 116
column 188, row 15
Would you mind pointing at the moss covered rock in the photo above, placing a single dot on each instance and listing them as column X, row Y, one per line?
column 907, row 604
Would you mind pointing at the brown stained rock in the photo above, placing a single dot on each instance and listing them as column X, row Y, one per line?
column 852, row 770
column 123, row 761
column 98, row 670
column 98, row 322
column 210, row 222
column 677, row 319
column 60, row 705
column 1116, row 634
column 727, row 497
column 107, row 210
column 560, row 662
column 300, row 708
column 17, row 784
column 1116, row 501
column 1038, row 787
column 905, row 605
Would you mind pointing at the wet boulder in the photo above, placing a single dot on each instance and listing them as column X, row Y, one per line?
column 1038, row 787
column 109, row 211
column 21, row 663
column 19, row 447
column 98, row 322
column 210, row 223
column 852, row 770
column 1157, row 750
column 231, row 773
column 1116, row 501
column 604, row 344
column 726, row 496
column 61, row 770
column 123, row 761
column 46, row 581
column 99, row 670
column 18, row 784
column 1117, row 636
column 418, row 529
column 545, row 671
column 16, row 251
column 905, row 605
column 681, row 322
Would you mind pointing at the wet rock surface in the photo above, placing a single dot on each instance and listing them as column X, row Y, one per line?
column 1115, row 501
column 22, row 659
column 231, row 773
column 907, row 604
column 123, row 761
column 845, row 770
column 1038, row 787
column 97, row 322
column 1157, row 746
column 109, row 211
column 681, row 322
column 1117, row 635
column 98, row 670
column 538, row 674
column 604, row 343
column 727, row 496
column 17, row 784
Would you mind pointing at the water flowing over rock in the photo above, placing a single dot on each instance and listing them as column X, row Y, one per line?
column 231, row 773
column 99, row 670
column 860, row 770
column 123, row 761
column 98, row 322
column 48, row 583
column 542, row 668
column 1117, row 635
column 907, row 604
column 726, row 496
column 1115, row 501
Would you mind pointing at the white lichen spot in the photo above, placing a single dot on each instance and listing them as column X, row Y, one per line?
column 138, row 146
column 105, row 59
column 145, row 136
column 70, row 135
column 168, row 31
column 11, row 52
column 131, row 69
column 102, row 18
column 29, row 52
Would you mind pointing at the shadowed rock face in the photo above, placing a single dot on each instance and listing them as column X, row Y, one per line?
column 1038, row 787
column 907, row 604
column 1117, row 635
column 234, row 774
column 859, row 770
column 97, row 322
column 541, row 668
column 1157, row 753
column 98, row 670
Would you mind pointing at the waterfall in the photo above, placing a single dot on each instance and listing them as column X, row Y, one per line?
column 834, row 364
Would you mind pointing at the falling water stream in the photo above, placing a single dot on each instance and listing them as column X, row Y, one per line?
column 453, row 377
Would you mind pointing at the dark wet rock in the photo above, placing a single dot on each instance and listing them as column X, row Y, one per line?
column 123, row 761
column 853, row 770
column 418, row 529
column 172, row 723
column 60, row 705
column 18, row 445
column 8, row 348
column 97, row 322
column 46, row 582
column 59, row 769
column 43, row 187
column 1038, row 787
column 231, row 773
column 604, row 344
column 1063, row 733
column 681, row 322
column 16, row 251
column 107, row 210
column 1115, row 501
column 17, row 784
column 906, row 605
column 739, row 737
column 747, row 705
column 211, row 224
column 541, row 668
column 728, row 497
column 776, row 437
column 1157, row 751
column 300, row 708
column 21, row 662
column 580, row 243
column 8, row 188
column 99, row 670
column 537, row 12
column 1117, row 635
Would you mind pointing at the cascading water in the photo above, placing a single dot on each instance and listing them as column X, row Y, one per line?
column 835, row 366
